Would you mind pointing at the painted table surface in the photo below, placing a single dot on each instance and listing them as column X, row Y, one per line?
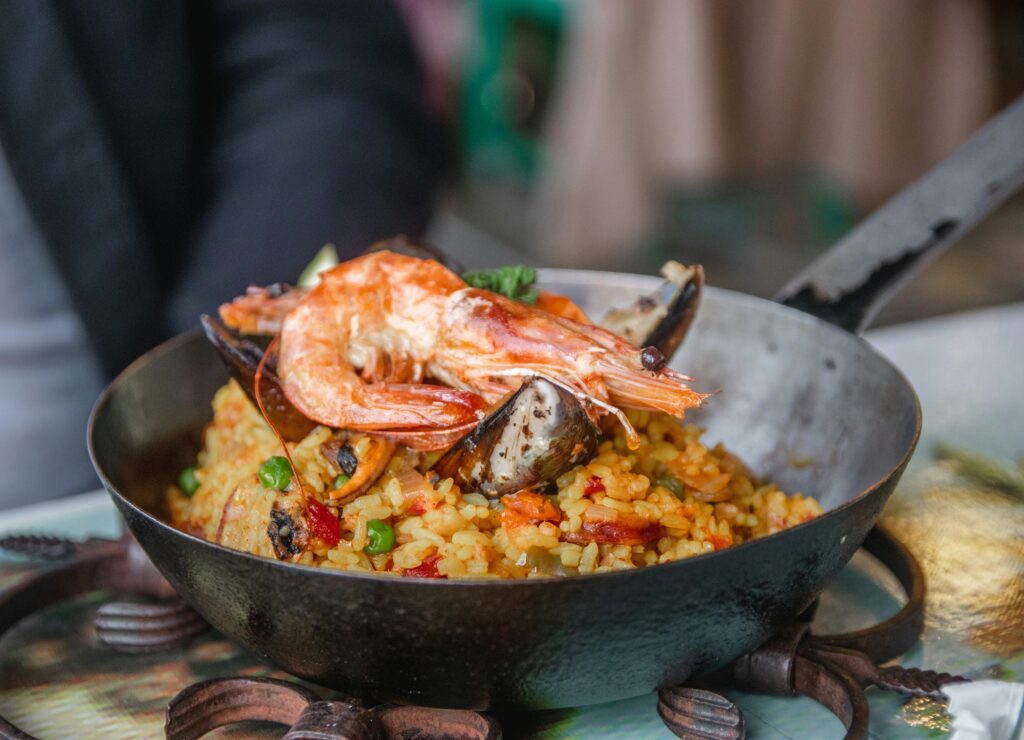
column 960, row 508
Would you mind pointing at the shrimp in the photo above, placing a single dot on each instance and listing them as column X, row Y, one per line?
column 428, row 323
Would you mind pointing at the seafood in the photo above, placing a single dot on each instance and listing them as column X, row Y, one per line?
column 662, row 319
column 242, row 357
column 427, row 323
column 261, row 310
column 402, row 244
column 540, row 432
column 360, row 459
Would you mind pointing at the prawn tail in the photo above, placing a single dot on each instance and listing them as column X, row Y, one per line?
column 261, row 311
column 652, row 391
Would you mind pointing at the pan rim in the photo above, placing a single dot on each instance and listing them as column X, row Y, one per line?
column 547, row 275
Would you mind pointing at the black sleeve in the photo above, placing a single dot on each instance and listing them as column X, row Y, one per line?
column 318, row 133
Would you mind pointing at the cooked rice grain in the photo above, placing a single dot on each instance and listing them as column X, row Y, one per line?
column 679, row 496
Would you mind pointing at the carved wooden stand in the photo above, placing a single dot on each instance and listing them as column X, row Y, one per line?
column 832, row 669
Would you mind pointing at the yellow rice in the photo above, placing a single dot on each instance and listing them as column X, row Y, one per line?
column 461, row 533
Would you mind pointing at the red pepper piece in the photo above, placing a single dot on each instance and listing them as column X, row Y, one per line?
column 593, row 485
column 322, row 523
column 426, row 569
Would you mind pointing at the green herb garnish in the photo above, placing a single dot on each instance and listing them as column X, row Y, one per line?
column 514, row 281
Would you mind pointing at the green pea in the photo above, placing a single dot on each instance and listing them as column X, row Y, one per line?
column 381, row 536
column 188, row 482
column 275, row 473
column 671, row 483
column 340, row 481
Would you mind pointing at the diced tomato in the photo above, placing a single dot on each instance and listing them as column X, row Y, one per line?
column 417, row 507
column 528, row 507
column 593, row 485
column 322, row 523
column 426, row 569
column 719, row 542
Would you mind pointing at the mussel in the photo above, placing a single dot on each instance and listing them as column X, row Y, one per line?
column 402, row 244
column 242, row 357
column 360, row 459
column 288, row 529
column 662, row 319
column 540, row 432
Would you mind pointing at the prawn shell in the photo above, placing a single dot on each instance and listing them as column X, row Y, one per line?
column 540, row 432
column 242, row 357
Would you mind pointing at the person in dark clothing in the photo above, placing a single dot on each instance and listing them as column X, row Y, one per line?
column 156, row 157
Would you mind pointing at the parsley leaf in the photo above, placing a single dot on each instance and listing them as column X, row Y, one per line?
column 514, row 281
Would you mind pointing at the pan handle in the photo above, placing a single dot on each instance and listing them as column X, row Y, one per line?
column 850, row 283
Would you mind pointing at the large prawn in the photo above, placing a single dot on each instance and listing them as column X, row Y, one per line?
column 355, row 351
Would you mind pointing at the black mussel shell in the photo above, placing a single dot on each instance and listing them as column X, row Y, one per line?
column 540, row 432
column 402, row 244
column 242, row 357
column 661, row 320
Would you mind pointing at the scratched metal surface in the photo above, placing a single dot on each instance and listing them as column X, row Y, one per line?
column 960, row 508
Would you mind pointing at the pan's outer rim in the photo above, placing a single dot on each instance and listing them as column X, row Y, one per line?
column 546, row 275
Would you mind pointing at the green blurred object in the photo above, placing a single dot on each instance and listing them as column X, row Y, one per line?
column 508, row 82
column 187, row 481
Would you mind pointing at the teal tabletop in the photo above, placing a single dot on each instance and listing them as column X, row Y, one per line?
column 959, row 508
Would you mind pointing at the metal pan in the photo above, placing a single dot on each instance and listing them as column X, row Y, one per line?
column 804, row 402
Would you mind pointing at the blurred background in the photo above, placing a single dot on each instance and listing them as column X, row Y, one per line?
column 157, row 157
column 745, row 136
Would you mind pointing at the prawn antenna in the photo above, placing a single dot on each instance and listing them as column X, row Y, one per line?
column 272, row 347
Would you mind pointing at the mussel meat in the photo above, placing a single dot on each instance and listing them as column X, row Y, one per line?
column 360, row 460
column 288, row 529
column 662, row 319
column 538, row 433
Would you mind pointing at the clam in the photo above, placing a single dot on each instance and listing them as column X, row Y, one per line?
column 662, row 319
column 538, row 433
